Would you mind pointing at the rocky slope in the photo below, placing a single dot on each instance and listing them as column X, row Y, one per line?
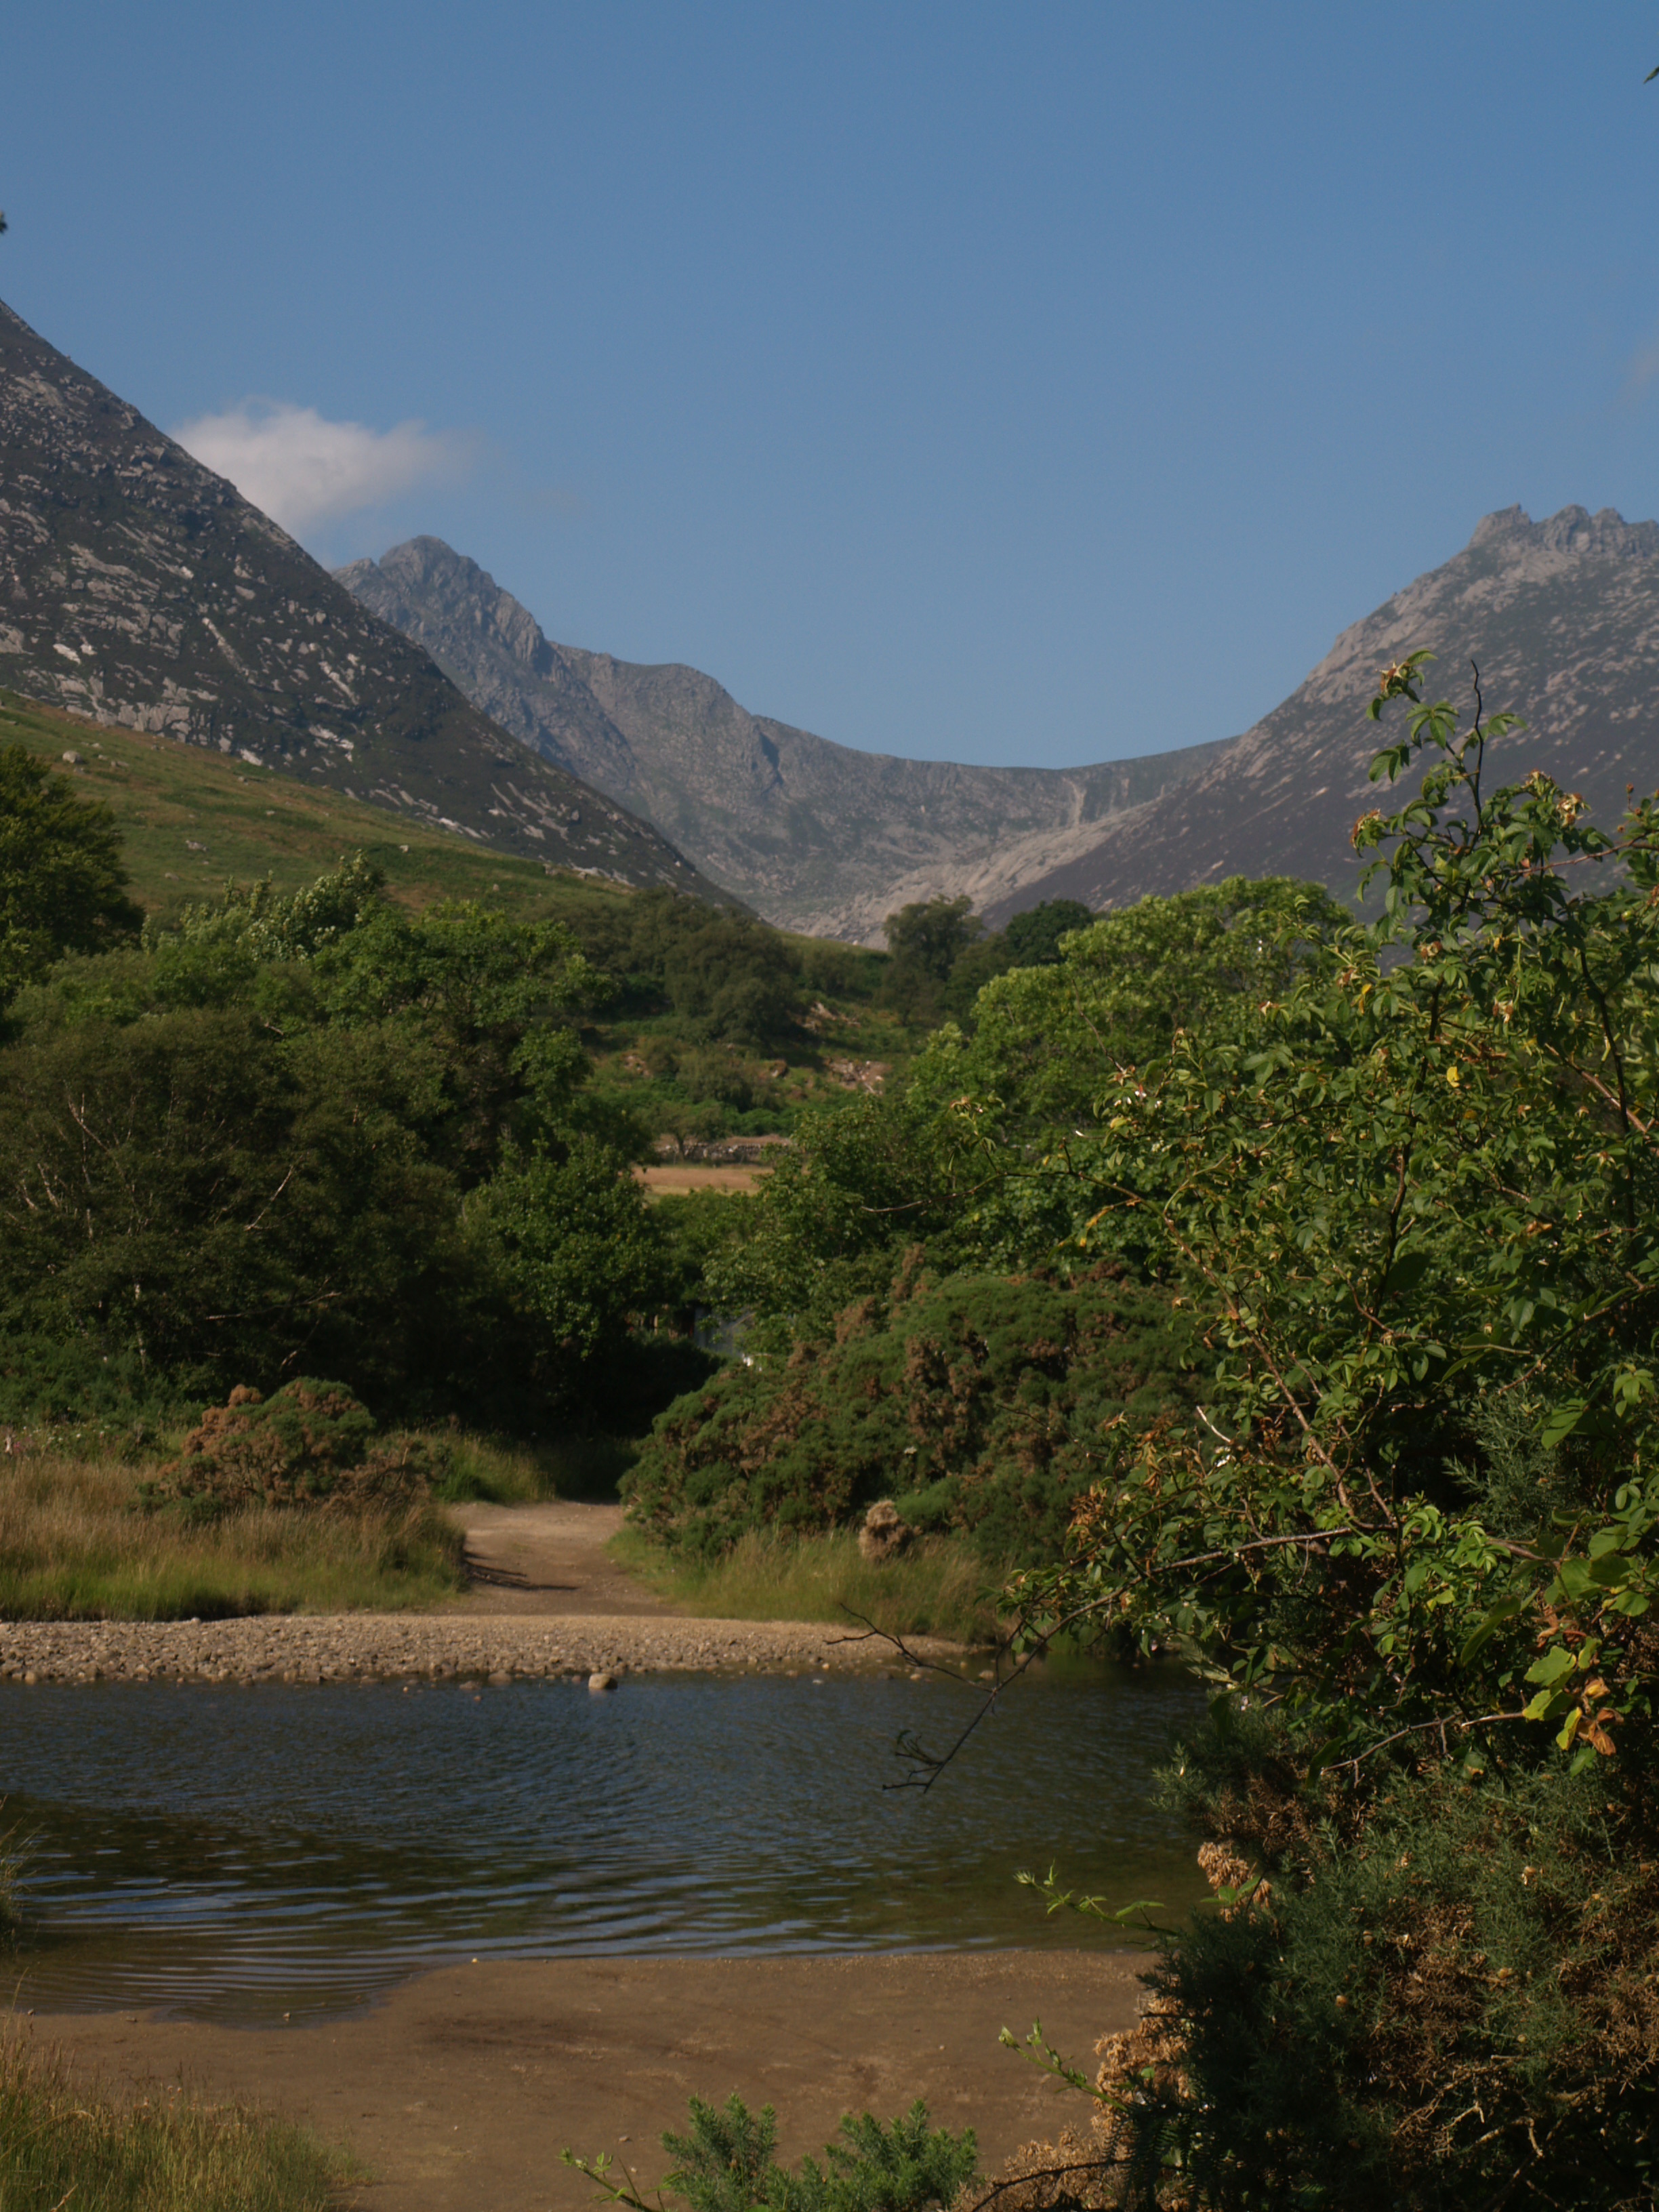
column 138, row 588
column 1562, row 618
column 813, row 835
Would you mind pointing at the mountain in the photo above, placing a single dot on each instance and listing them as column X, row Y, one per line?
column 1560, row 617
column 814, row 835
column 138, row 588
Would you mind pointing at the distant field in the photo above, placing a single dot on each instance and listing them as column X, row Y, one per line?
column 677, row 1182
column 191, row 818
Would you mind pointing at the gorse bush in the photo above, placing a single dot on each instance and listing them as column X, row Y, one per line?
column 982, row 1405
column 311, row 1444
column 1453, row 2003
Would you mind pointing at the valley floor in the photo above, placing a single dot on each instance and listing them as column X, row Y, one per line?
column 546, row 1599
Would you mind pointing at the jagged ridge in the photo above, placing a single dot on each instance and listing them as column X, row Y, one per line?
column 1561, row 617
column 815, row 835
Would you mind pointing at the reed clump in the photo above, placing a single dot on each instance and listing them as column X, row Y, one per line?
column 164, row 2152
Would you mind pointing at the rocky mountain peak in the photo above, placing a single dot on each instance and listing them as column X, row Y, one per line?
column 138, row 587
column 1562, row 619
column 1574, row 529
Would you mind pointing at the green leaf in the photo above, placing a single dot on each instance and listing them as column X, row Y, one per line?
column 1505, row 1610
column 1406, row 1273
column 1559, row 1424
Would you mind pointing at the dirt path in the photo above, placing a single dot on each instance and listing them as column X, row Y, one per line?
column 460, row 2091
column 550, row 1560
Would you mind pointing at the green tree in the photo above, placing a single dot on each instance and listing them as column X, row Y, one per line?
column 924, row 940
column 62, row 885
column 1416, row 1217
column 864, row 1181
column 224, row 1204
column 310, row 1130
column 572, row 1239
column 1033, row 938
column 1200, row 964
column 730, row 976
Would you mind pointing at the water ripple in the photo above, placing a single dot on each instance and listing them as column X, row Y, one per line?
column 237, row 1853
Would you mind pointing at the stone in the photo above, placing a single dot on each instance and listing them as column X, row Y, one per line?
column 597, row 1682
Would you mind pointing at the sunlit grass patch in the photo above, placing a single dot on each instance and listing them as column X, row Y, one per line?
column 61, row 2147
column 75, row 1543
column 937, row 1587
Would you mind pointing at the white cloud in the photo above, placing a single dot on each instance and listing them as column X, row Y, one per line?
column 303, row 470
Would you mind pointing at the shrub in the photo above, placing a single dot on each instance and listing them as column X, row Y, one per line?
column 983, row 1404
column 1417, row 1210
column 1446, row 1998
column 724, row 2163
column 311, row 1444
column 716, row 1079
column 76, row 1543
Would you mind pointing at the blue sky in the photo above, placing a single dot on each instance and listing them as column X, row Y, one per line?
column 1032, row 383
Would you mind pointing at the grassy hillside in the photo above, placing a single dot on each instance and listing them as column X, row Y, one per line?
column 190, row 818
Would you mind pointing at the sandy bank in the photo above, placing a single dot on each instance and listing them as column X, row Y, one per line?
column 460, row 2091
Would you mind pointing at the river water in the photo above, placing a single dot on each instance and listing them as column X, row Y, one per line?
column 245, row 1853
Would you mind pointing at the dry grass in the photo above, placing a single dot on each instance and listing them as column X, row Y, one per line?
column 938, row 1587
column 60, row 2147
column 75, row 1544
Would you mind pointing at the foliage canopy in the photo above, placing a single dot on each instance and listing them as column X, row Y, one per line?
column 1414, row 1211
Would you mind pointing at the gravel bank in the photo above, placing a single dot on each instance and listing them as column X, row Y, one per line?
column 392, row 1647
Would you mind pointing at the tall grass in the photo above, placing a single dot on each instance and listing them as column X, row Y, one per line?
column 13, row 1850
column 76, row 1545
column 938, row 1587
column 61, row 2149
